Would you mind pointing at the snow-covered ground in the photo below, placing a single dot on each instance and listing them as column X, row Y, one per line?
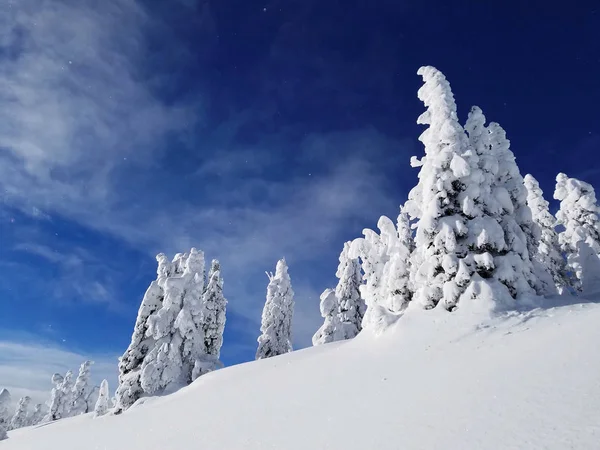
column 436, row 380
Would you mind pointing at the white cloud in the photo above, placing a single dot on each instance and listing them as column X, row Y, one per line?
column 26, row 366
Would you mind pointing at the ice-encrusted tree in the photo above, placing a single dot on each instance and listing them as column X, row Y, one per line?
column 384, row 259
column 350, row 305
column 580, row 239
column 37, row 415
column 452, row 233
column 212, row 321
column 102, row 404
column 276, row 324
column 5, row 401
column 82, row 391
column 19, row 419
column 168, row 339
column 515, row 267
column 547, row 253
column 332, row 329
column 59, row 405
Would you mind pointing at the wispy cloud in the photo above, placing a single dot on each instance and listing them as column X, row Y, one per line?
column 27, row 365
column 85, row 136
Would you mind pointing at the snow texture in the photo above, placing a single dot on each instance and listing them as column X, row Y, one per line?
column 578, row 214
column 102, row 404
column 523, row 380
column 276, row 324
column 547, row 259
column 332, row 329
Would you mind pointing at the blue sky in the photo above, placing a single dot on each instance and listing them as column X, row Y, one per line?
column 252, row 130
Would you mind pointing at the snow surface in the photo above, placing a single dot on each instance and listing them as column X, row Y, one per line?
column 435, row 380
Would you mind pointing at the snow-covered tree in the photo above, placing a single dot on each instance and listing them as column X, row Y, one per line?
column 578, row 214
column 384, row 258
column 37, row 414
column 351, row 306
column 55, row 404
column 168, row 340
column 276, row 325
column 550, row 263
column 102, row 404
column 5, row 401
column 452, row 229
column 130, row 364
column 372, row 251
column 19, row 419
column 515, row 268
column 82, row 391
column 212, row 322
column 332, row 329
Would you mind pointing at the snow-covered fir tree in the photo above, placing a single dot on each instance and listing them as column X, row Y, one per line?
column 515, row 267
column 351, row 306
column 59, row 405
column 212, row 322
column 547, row 253
column 167, row 348
column 276, row 324
column 384, row 258
column 580, row 239
column 82, row 391
column 332, row 329
column 5, row 412
column 37, row 415
column 102, row 404
column 55, row 404
column 20, row 417
column 452, row 227
column 372, row 251
column 130, row 364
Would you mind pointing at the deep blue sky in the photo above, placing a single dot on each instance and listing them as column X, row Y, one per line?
column 252, row 130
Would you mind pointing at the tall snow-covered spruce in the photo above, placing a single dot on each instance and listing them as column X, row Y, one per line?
column 350, row 305
column 547, row 254
column 212, row 322
column 168, row 342
column 83, row 391
column 580, row 239
column 20, row 418
column 467, row 247
column 102, row 404
column 276, row 324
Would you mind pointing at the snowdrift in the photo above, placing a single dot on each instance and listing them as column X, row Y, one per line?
column 436, row 380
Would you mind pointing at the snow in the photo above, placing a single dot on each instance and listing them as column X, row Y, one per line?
column 457, row 380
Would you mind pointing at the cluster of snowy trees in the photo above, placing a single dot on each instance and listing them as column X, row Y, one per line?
column 178, row 332
column 68, row 398
column 473, row 230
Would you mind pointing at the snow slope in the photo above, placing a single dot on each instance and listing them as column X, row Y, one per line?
column 437, row 380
